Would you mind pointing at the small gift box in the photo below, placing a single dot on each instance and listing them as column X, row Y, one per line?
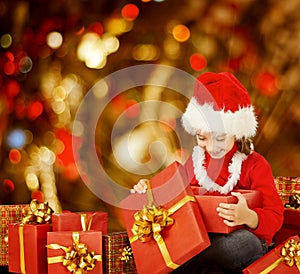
column 164, row 226
column 26, row 248
column 9, row 214
column 282, row 259
column 117, row 254
column 74, row 252
column 209, row 203
column 286, row 186
column 80, row 221
column 27, row 240
column 290, row 227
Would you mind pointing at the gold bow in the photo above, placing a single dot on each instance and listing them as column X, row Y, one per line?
column 37, row 213
column 152, row 219
column 77, row 259
column 126, row 254
column 290, row 254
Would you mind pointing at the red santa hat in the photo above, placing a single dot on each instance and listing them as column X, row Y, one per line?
column 220, row 104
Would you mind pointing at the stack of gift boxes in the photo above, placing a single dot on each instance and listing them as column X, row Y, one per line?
column 164, row 229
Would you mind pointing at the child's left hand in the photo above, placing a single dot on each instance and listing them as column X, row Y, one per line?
column 238, row 214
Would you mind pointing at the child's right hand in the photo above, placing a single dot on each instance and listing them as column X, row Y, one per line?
column 140, row 187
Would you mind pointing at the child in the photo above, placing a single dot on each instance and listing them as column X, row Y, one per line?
column 222, row 118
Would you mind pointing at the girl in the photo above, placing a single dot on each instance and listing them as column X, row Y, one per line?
column 222, row 119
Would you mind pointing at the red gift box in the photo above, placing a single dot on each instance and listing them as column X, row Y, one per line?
column 209, row 203
column 9, row 214
column 275, row 261
column 80, row 221
column 176, row 243
column 290, row 227
column 26, row 248
column 67, row 247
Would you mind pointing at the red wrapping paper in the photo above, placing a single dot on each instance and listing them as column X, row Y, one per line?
column 35, row 253
column 184, row 239
column 290, row 227
column 9, row 214
column 93, row 240
column 269, row 259
column 72, row 221
column 209, row 203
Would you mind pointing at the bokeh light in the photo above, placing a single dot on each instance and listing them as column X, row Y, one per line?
column 16, row 138
column 130, row 12
column 181, row 33
column 54, row 40
column 198, row 61
column 14, row 156
column 6, row 40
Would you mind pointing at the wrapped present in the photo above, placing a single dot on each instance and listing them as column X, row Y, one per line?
column 208, row 204
column 27, row 240
column 74, row 252
column 165, row 227
column 9, row 214
column 26, row 248
column 282, row 259
column 290, row 227
column 80, row 221
column 286, row 186
column 117, row 254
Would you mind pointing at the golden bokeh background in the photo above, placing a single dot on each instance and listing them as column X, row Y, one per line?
column 53, row 52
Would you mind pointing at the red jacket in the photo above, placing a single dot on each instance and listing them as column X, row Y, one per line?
column 256, row 174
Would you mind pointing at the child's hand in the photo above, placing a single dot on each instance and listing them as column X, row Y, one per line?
column 238, row 214
column 140, row 187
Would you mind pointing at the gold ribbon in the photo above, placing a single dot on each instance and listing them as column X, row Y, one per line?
column 21, row 245
column 152, row 220
column 37, row 213
column 290, row 254
column 85, row 222
column 77, row 259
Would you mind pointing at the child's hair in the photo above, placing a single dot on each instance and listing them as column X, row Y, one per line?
column 245, row 145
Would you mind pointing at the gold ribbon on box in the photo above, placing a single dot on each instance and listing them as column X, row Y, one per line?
column 290, row 254
column 150, row 221
column 85, row 222
column 77, row 259
column 37, row 213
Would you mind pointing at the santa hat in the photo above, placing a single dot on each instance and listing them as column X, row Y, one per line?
column 220, row 104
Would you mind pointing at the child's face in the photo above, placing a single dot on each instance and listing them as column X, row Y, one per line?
column 216, row 144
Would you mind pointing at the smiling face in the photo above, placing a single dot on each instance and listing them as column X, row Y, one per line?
column 216, row 144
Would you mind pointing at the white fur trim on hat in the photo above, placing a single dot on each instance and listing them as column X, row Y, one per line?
column 241, row 123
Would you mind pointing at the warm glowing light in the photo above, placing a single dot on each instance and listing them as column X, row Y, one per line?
column 9, row 185
column 266, row 82
column 12, row 88
column 172, row 48
column 130, row 12
column 6, row 41
column 35, row 109
column 118, row 26
column 181, row 33
column 111, row 43
column 32, row 181
column 97, row 28
column 197, row 61
column 144, row 52
column 54, row 40
column 92, row 51
column 14, row 156
column 9, row 68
